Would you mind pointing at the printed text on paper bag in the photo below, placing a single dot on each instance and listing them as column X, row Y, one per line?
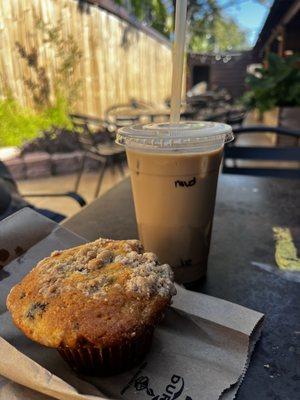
column 173, row 390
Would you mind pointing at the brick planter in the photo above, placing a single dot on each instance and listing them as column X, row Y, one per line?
column 42, row 164
column 37, row 164
column 16, row 167
column 66, row 163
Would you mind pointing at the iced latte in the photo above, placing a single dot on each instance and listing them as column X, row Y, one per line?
column 174, row 174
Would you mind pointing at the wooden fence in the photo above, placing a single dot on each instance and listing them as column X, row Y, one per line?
column 119, row 60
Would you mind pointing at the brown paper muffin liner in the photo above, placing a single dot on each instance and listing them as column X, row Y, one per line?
column 92, row 360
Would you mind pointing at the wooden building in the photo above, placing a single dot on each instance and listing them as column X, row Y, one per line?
column 281, row 31
column 224, row 71
column 280, row 34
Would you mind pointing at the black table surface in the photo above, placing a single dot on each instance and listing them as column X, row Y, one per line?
column 247, row 208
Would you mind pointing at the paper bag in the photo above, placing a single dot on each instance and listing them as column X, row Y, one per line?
column 200, row 351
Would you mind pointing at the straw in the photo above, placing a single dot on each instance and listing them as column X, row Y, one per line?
column 178, row 57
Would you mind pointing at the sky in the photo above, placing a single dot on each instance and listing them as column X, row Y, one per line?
column 250, row 15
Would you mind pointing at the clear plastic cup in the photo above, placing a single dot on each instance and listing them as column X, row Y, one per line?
column 174, row 174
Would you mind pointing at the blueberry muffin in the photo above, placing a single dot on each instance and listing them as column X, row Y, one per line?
column 98, row 304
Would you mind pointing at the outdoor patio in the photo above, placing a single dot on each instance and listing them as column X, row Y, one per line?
column 149, row 199
column 66, row 205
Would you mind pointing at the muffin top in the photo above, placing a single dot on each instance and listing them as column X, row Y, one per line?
column 101, row 293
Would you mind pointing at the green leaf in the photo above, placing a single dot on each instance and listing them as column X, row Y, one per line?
column 278, row 85
column 18, row 124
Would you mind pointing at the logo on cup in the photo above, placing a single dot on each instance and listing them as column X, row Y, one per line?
column 189, row 183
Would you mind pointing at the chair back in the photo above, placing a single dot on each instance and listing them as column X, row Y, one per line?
column 91, row 128
column 233, row 152
column 236, row 118
column 126, row 120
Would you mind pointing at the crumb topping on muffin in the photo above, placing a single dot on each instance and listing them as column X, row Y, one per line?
column 87, row 273
column 148, row 277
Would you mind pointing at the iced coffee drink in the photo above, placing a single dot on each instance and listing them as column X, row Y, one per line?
column 174, row 174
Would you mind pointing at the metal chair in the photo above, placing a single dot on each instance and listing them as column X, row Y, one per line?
column 6, row 175
column 126, row 120
column 106, row 153
column 11, row 200
column 288, row 154
column 128, row 109
column 134, row 112
column 236, row 118
column 70, row 194
column 101, row 127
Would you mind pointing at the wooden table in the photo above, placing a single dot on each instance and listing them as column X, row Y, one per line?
column 247, row 209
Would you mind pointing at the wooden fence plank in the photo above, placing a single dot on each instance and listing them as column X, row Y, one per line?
column 119, row 61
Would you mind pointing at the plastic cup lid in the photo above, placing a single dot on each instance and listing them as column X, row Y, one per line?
column 187, row 136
